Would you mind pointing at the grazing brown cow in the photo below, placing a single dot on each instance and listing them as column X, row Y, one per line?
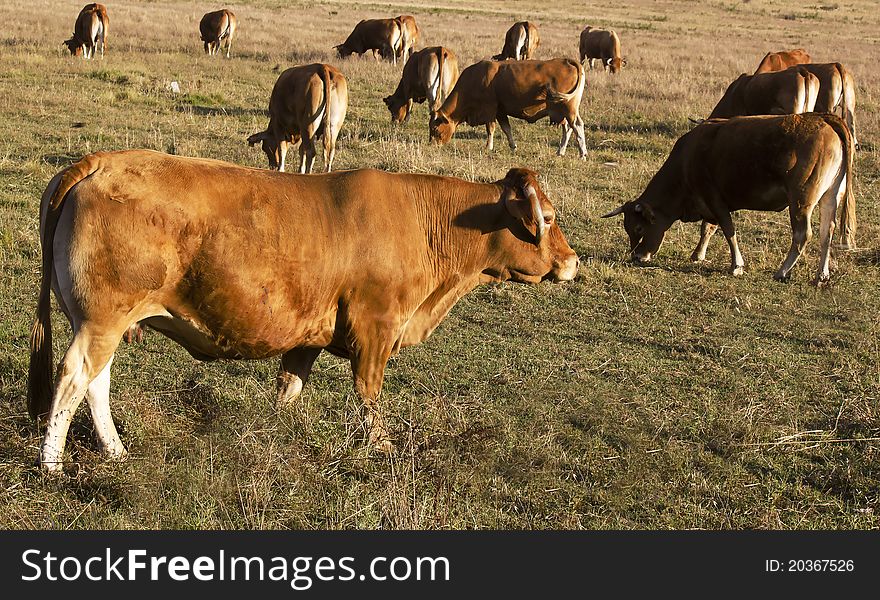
column 792, row 91
column 410, row 32
column 306, row 102
column 383, row 36
column 89, row 31
column 215, row 27
column 779, row 61
column 604, row 45
column 754, row 163
column 837, row 93
column 491, row 91
column 256, row 264
column 429, row 74
column 520, row 42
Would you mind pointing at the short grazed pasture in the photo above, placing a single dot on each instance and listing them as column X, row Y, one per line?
column 667, row 397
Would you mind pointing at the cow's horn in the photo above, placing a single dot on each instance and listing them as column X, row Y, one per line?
column 696, row 121
column 537, row 213
column 615, row 212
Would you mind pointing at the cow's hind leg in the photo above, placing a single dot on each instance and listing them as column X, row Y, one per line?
column 505, row 127
column 707, row 230
column 99, row 406
column 307, row 154
column 800, row 236
column 831, row 199
column 581, row 136
column 490, row 135
column 296, row 366
column 725, row 221
column 567, row 128
column 89, row 353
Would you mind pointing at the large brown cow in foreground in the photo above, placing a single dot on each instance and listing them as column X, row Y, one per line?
column 239, row 263
column 429, row 74
column 604, row 45
column 409, row 31
column 753, row 163
column 520, row 42
column 792, row 91
column 215, row 27
column 383, row 36
column 491, row 91
column 837, row 93
column 779, row 61
column 89, row 31
column 306, row 102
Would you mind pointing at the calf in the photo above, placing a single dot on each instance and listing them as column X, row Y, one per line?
column 491, row 91
column 383, row 36
column 89, row 31
column 779, row 61
column 215, row 27
column 520, row 42
column 306, row 102
column 754, row 163
column 792, row 91
column 604, row 45
column 429, row 74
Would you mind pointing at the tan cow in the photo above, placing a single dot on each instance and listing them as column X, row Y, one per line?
column 604, row 45
column 306, row 102
column 215, row 27
column 792, row 91
column 410, row 32
column 383, row 36
column 429, row 74
column 491, row 91
column 766, row 163
column 89, row 31
column 779, row 61
column 837, row 93
column 520, row 42
column 239, row 263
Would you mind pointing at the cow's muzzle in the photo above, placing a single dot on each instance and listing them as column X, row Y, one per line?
column 568, row 269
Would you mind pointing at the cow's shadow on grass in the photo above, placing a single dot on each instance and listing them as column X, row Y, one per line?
column 868, row 257
column 228, row 111
column 61, row 160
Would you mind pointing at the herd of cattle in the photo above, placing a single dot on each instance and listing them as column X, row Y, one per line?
column 257, row 263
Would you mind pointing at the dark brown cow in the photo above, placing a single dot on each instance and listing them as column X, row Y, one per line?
column 89, row 31
column 410, row 32
column 750, row 163
column 604, row 45
column 837, row 93
column 429, row 74
column 256, row 264
column 306, row 102
column 520, row 42
column 792, row 91
column 383, row 36
column 215, row 27
column 491, row 91
column 779, row 61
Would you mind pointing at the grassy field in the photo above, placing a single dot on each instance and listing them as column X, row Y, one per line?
column 667, row 397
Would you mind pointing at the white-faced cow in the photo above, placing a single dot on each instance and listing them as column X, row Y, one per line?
column 792, row 91
column 255, row 264
column 520, row 42
column 89, row 31
column 765, row 163
column 410, row 32
column 307, row 102
column 602, row 45
column 837, row 93
column 491, row 91
column 779, row 61
column 429, row 74
column 383, row 36
column 217, row 27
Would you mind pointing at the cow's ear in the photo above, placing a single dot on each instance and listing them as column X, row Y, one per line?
column 257, row 137
column 387, row 100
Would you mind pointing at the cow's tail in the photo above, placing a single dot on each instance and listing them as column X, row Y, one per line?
column 848, row 213
column 576, row 93
column 847, row 100
column 397, row 42
column 441, row 96
column 327, row 76
column 40, row 368
column 525, row 48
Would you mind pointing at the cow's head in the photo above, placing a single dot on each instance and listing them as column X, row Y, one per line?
column 343, row 51
column 532, row 246
column 441, row 128
column 74, row 46
column 615, row 64
column 270, row 147
column 398, row 108
column 645, row 228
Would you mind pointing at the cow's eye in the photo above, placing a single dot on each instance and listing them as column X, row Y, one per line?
column 548, row 219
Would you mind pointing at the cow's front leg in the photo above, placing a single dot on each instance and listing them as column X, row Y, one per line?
column 490, row 135
column 707, row 230
column 725, row 221
column 296, row 366
column 283, row 145
column 800, row 236
column 505, row 127
column 368, row 362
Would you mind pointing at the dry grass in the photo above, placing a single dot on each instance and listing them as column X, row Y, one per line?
column 670, row 397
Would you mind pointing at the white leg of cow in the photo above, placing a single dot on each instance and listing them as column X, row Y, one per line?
column 581, row 136
column 229, row 47
column 296, row 366
column 566, row 136
column 99, row 405
column 707, row 230
column 490, row 135
column 800, row 236
column 306, row 155
column 283, row 146
column 508, row 132
column 725, row 221
column 827, row 224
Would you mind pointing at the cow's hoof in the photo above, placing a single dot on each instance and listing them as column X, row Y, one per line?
column 737, row 270
column 781, row 277
column 119, row 454
column 822, row 281
column 696, row 258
